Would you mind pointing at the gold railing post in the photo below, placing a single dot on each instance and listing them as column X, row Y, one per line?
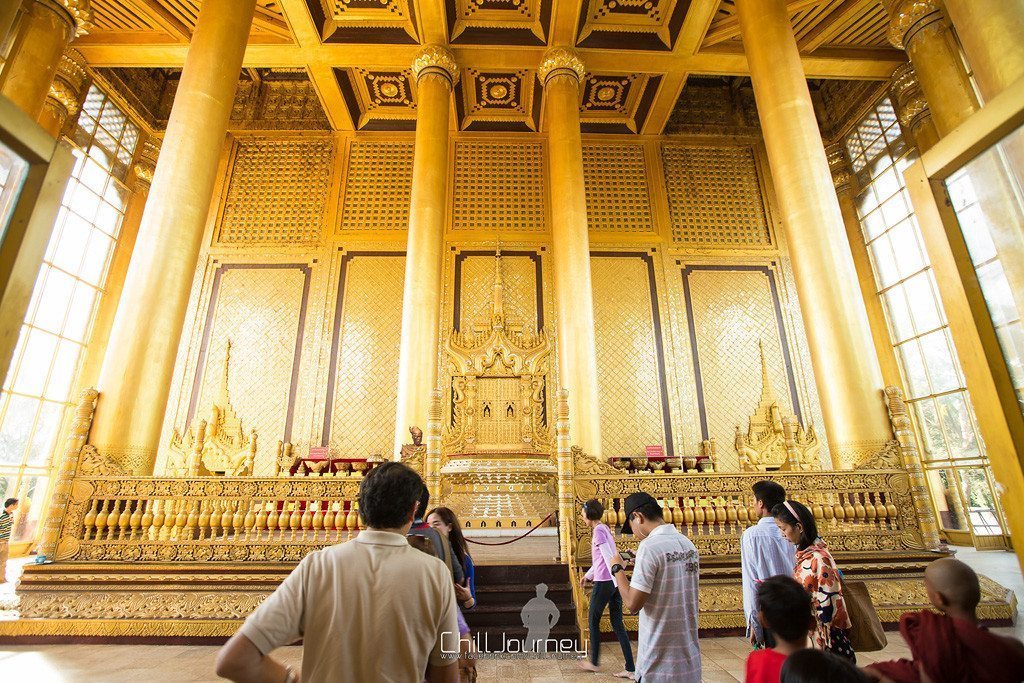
column 432, row 466
column 66, row 472
column 565, row 482
column 903, row 430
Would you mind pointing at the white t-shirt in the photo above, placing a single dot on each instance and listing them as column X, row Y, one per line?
column 667, row 568
column 371, row 609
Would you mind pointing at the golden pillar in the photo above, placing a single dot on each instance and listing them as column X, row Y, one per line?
column 43, row 34
column 846, row 192
column 436, row 74
column 66, row 93
column 921, row 28
column 8, row 13
column 562, row 71
column 845, row 366
column 136, row 376
column 912, row 108
column 992, row 35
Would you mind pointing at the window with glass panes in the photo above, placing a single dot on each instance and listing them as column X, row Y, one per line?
column 953, row 453
column 37, row 391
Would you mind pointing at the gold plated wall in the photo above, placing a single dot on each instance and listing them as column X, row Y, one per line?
column 499, row 186
column 656, row 206
column 715, row 195
column 631, row 382
column 378, row 183
column 278, row 191
column 618, row 191
column 363, row 419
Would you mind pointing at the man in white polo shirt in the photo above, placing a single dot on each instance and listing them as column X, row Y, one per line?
column 664, row 590
column 371, row 609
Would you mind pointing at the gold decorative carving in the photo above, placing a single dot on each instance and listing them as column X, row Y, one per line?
column 145, row 162
column 775, row 439
column 654, row 24
column 436, row 59
column 278, row 191
column 68, row 86
column 908, row 17
column 499, row 187
column 519, row 22
column 363, row 420
column 857, row 454
column 378, row 185
column 629, row 382
column 734, row 313
column 519, row 283
column 910, row 459
column 714, row 195
column 92, row 463
column 81, row 13
column 839, row 164
column 618, row 195
column 219, row 446
column 561, row 61
column 908, row 98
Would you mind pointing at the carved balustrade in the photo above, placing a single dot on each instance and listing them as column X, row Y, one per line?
column 206, row 518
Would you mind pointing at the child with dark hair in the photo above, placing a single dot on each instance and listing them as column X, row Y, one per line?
column 815, row 666
column 604, row 593
column 785, row 610
column 816, row 571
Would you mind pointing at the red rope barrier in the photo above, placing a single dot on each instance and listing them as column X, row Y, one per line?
column 518, row 538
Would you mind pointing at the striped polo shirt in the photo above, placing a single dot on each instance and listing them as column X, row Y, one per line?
column 5, row 525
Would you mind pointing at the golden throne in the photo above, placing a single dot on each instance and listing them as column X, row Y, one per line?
column 497, row 465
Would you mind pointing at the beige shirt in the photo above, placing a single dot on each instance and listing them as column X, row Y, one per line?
column 371, row 609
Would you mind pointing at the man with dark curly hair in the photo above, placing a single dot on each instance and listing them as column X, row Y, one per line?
column 372, row 609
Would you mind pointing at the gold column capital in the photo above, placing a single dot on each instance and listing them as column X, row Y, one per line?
column 145, row 162
column 436, row 59
column 65, row 96
column 911, row 106
column 561, row 60
column 908, row 17
column 839, row 165
column 81, row 12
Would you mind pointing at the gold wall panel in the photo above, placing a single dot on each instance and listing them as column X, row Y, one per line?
column 627, row 358
column 733, row 310
column 278, row 191
column 499, row 186
column 378, row 184
column 519, row 277
column 618, row 196
column 259, row 310
column 714, row 195
column 365, row 395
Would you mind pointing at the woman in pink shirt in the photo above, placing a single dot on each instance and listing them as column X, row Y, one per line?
column 604, row 593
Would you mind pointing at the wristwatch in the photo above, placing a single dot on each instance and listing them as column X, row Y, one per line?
column 616, row 568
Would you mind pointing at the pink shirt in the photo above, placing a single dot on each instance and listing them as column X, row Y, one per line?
column 602, row 546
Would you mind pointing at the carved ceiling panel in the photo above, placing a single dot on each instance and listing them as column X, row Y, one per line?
column 174, row 21
column 498, row 100
column 631, row 24
column 498, row 22
column 616, row 103
column 365, row 21
column 379, row 100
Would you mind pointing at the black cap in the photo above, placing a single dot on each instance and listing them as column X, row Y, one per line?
column 633, row 501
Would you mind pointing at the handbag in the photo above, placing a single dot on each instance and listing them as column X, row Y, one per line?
column 866, row 632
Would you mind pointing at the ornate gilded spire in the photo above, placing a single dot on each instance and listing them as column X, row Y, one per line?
column 767, row 394
column 498, row 305
column 223, row 398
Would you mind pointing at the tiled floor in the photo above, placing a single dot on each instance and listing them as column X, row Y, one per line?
column 723, row 658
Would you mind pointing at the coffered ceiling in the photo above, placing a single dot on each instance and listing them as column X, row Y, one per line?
column 639, row 53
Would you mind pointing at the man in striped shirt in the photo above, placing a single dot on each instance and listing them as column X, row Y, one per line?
column 6, row 522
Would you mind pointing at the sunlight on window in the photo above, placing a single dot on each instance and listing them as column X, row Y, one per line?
column 37, row 391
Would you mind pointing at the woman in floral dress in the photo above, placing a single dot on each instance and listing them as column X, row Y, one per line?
column 816, row 571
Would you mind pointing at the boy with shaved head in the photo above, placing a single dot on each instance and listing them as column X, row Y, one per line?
column 951, row 646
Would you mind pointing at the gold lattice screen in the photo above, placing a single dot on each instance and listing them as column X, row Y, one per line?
column 714, row 195
column 519, row 277
column 630, row 384
column 259, row 310
column 618, row 197
column 278, row 191
column 378, row 183
column 733, row 310
column 364, row 403
column 499, row 186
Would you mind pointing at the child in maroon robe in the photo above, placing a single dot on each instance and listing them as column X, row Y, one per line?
column 951, row 646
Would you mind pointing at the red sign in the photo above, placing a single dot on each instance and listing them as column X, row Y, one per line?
column 318, row 453
column 655, row 452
